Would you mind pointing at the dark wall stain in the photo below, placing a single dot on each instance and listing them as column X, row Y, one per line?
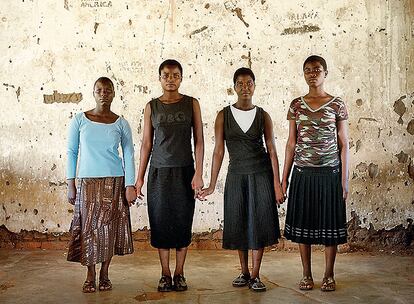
column 411, row 170
column 230, row 91
column 198, row 30
column 372, row 170
column 249, row 59
column 410, row 127
column 402, row 157
column 362, row 167
column 358, row 145
column 301, row 30
column 399, row 108
column 62, row 98
column 231, row 7
column 66, row 4
column 95, row 27
column 359, row 102
column 366, row 118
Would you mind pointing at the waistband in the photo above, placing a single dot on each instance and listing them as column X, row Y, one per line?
column 317, row 170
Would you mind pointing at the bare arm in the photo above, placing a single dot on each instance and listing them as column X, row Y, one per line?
column 146, row 147
column 343, row 142
column 197, row 182
column 271, row 149
column 218, row 155
column 289, row 154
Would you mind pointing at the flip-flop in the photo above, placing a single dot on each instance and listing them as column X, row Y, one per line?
column 306, row 283
column 328, row 284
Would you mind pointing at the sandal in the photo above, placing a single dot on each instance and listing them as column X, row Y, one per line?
column 306, row 283
column 165, row 284
column 179, row 283
column 105, row 285
column 89, row 287
column 328, row 284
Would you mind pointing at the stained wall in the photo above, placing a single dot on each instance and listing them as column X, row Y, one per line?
column 51, row 52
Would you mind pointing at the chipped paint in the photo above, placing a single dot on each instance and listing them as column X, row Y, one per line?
column 50, row 62
column 62, row 98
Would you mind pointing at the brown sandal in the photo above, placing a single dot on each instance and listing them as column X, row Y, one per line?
column 105, row 285
column 306, row 283
column 328, row 284
column 89, row 287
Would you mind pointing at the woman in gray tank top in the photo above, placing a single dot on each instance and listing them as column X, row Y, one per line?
column 173, row 182
column 253, row 187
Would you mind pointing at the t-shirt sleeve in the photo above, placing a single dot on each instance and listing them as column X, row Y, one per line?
column 342, row 113
column 73, row 147
column 291, row 115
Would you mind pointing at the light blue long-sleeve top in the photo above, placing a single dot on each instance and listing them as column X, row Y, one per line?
column 97, row 145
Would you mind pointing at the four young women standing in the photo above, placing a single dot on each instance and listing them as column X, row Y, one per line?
column 317, row 144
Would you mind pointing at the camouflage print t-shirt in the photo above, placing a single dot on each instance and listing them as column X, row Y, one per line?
column 316, row 143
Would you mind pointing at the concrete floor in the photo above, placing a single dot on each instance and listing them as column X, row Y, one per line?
column 46, row 277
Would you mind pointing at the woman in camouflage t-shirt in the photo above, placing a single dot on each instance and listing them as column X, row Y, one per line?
column 318, row 148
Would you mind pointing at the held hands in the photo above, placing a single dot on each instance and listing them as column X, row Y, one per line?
column 197, row 184
column 130, row 195
column 279, row 194
column 138, row 188
column 285, row 185
column 205, row 192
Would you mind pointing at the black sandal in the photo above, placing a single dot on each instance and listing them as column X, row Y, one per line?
column 105, row 285
column 89, row 287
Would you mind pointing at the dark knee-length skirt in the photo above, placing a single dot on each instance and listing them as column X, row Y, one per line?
column 316, row 211
column 250, row 212
column 101, row 225
column 170, row 206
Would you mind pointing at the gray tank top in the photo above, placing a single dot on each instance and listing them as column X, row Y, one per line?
column 172, row 125
column 247, row 153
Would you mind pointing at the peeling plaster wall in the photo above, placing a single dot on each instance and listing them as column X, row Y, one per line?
column 51, row 52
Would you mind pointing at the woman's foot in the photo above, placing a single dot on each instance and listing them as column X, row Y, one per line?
column 105, row 284
column 242, row 280
column 89, row 287
column 179, row 283
column 256, row 285
column 165, row 284
column 306, row 283
column 328, row 284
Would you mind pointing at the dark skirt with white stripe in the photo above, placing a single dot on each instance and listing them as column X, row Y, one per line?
column 250, row 212
column 170, row 206
column 316, row 210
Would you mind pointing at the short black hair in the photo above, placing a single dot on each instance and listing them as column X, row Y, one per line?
column 171, row 62
column 105, row 80
column 316, row 58
column 243, row 71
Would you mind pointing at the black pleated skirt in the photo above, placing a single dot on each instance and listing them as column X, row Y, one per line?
column 170, row 206
column 250, row 212
column 316, row 212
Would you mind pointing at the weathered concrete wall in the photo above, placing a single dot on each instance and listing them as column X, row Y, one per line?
column 52, row 51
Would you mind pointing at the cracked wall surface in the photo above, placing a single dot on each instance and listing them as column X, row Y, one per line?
column 53, row 51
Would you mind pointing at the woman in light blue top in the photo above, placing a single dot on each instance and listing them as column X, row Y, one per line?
column 101, row 225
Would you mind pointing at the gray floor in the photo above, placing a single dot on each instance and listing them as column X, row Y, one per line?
column 46, row 277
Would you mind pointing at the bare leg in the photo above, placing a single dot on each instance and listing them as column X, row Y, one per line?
column 164, row 255
column 181, row 254
column 244, row 258
column 90, row 276
column 256, row 261
column 305, row 255
column 330, row 254
column 103, row 275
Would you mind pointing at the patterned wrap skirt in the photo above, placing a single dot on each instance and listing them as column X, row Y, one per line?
column 101, row 226
column 316, row 211
column 250, row 212
column 170, row 206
